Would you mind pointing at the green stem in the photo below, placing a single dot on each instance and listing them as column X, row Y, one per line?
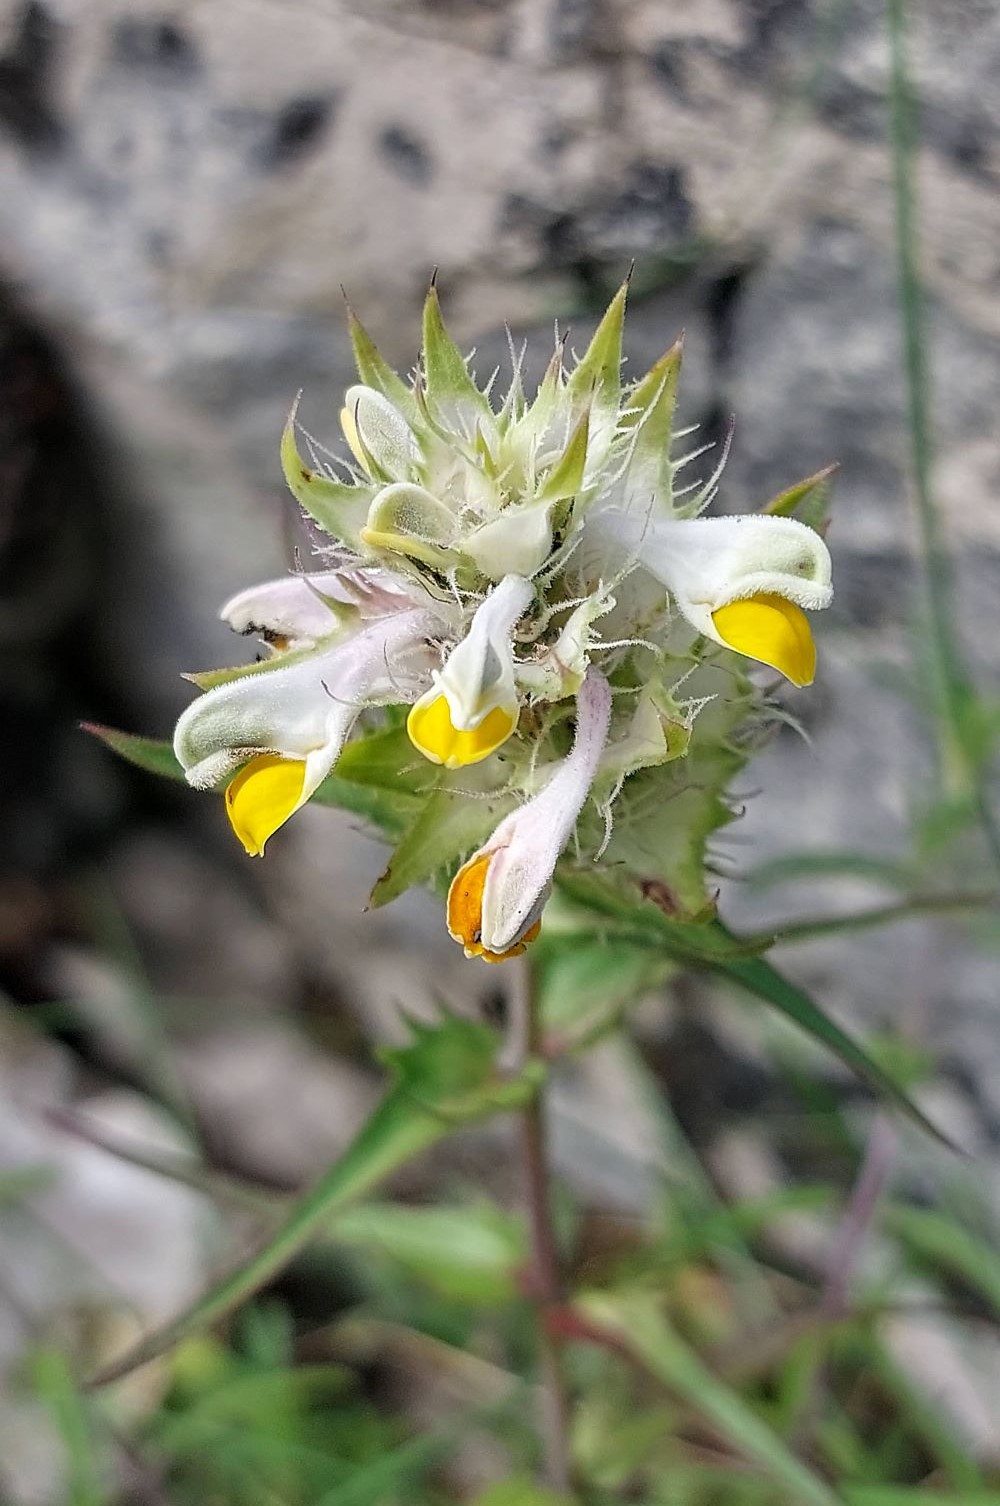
column 958, row 773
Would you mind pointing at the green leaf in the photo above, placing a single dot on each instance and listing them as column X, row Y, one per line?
column 451, row 392
column 521, row 1492
column 446, row 1077
column 598, row 371
column 376, row 372
column 934, row 1239
column 650, row 410
column 365, row 787
column 684, row 938
column 448, row 826
column 340, row 508
column 877, row 915
column 584, row 982
column 55, row 1386
column 759, row 977
column 153, row 754
column 635, row 1320
column 565, row 478
column 807, row 500
column 469, row 1254
column 902, row 1495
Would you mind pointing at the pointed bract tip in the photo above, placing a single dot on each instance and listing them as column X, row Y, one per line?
column 434, row 281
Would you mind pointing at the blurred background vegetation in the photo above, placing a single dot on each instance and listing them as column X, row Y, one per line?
column 814, row 1287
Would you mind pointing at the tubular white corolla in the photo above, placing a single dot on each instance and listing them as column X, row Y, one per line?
column 496, row 898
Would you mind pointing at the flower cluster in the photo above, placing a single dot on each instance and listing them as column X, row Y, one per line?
column 529, row 581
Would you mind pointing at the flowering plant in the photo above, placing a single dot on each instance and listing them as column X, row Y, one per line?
column 530, row 592
column 524, row 655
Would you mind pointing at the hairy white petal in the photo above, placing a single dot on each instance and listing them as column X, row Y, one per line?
column 479, row 674
column 301, row 709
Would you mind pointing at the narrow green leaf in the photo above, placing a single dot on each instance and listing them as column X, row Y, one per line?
column 759, row 977
column 879, row 915
column 468, row 1254
column 445, row 1078
column 650, row 409
column 807, row 500
column 451, row 392
column 904, row 1495
column 448, row 826
column 56, row 1387
column 934, row 1239
column 376, row 372
column 153, row 754
column 521, row 1492
column 381, row 1481
column 566, row 477
column 635, row 1320
column 832, row 863
column 338, row 507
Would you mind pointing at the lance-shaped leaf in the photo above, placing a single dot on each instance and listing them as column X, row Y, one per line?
column 376, row 372
column 596, row 383
column 709, row 944
column 452, row 396
column 634, row 1320
column 339, row 508
column 648, row 424
column 365, row 788
column 446, row 1077
column 447, row 828
column 807, row 500
column 565, row 478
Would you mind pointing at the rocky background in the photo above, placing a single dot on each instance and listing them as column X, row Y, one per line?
column 185, row 187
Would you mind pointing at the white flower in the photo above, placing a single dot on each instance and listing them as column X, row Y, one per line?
column 298, row 610
column 472, row 706
column 290, row 719
column 742, row 581
column 496, row 898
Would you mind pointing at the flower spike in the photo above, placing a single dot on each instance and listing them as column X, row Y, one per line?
column 489, row 560
column 496, row 898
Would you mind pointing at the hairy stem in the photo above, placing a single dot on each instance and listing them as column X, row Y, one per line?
column 546, row 1284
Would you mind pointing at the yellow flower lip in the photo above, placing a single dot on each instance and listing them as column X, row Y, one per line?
column 262, row 797
column 432, row 733
column 772, row 630
column 465, row 912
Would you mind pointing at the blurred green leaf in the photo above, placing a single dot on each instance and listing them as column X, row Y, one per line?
column 757, row 976
column 845, row 863
column 25, row 1181
column 937, row 1240
column 339, row 507
column 810, row 927
column 470, row 1254
column 56, row 1388
column 521, row 1492
column 446, row 1077
column 635, row 1320
column 584, row 983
